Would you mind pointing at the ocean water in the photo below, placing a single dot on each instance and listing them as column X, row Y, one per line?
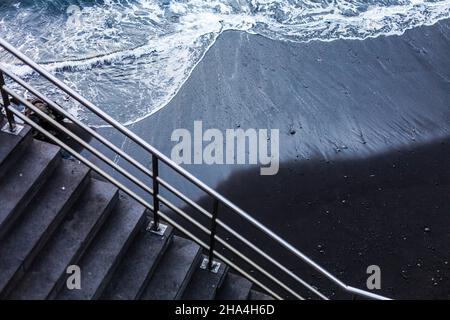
column 130, row 57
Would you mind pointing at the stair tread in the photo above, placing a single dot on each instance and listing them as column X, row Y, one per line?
column 138, row 265
column 234, row 287
column 204, row 283
column 107, row 249
column 23, row 180
column 68, row 242
column 9, row 145
column 256, row 295
column 40, row 219
column 174, row 271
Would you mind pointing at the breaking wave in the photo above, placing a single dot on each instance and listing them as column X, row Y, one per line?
column 130, row 57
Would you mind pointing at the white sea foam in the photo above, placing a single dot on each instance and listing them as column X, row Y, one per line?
column 131, row 57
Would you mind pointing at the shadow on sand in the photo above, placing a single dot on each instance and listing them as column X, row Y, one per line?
column 391, row 210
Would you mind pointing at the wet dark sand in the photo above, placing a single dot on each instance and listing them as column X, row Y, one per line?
column 362, row 131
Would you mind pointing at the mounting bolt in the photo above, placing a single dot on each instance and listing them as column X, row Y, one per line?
column 215, row 265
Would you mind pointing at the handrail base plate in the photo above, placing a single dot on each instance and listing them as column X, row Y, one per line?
column 16, row 131
column 215, row 265
column 160, row 231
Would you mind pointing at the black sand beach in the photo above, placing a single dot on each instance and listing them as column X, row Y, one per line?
column 364, row 143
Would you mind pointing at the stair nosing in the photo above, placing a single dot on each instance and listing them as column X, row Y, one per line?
column 118, row 258
column 144, row 284
column 85, row 245
column 16, row 151
column 45, row 235
column 223, row 269
column 123, row 271
column 58, row 278
column 195, row 265
column 195, row 262
column 40, row 180
column 117, row 261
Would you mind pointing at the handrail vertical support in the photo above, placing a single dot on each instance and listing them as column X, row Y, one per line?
column 155, row 169
column 6, row 104
column 212, row 239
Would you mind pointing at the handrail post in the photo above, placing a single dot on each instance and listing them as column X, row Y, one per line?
column 155, row 169
column 212, row 239
column 6, row 104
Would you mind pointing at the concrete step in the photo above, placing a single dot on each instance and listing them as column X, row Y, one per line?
column 138, row 265
column 259, row 296
column 234, row 288
column 174, row 271
column 47, row 273
column 24, row 180
column 42, row 216
column 12, row 147
column 107, row 250
column 205, row 283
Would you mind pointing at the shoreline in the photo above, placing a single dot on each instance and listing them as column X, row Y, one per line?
column 357, row 108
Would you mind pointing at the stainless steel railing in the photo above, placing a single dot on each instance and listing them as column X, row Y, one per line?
column 157, row 157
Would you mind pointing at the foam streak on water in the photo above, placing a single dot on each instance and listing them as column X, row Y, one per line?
column 150, row 47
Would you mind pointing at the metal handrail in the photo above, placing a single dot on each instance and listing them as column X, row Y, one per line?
column 157, row 180
column 135, row 196
column 102, row 157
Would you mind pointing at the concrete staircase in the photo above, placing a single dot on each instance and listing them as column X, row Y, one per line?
column 54, row 214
